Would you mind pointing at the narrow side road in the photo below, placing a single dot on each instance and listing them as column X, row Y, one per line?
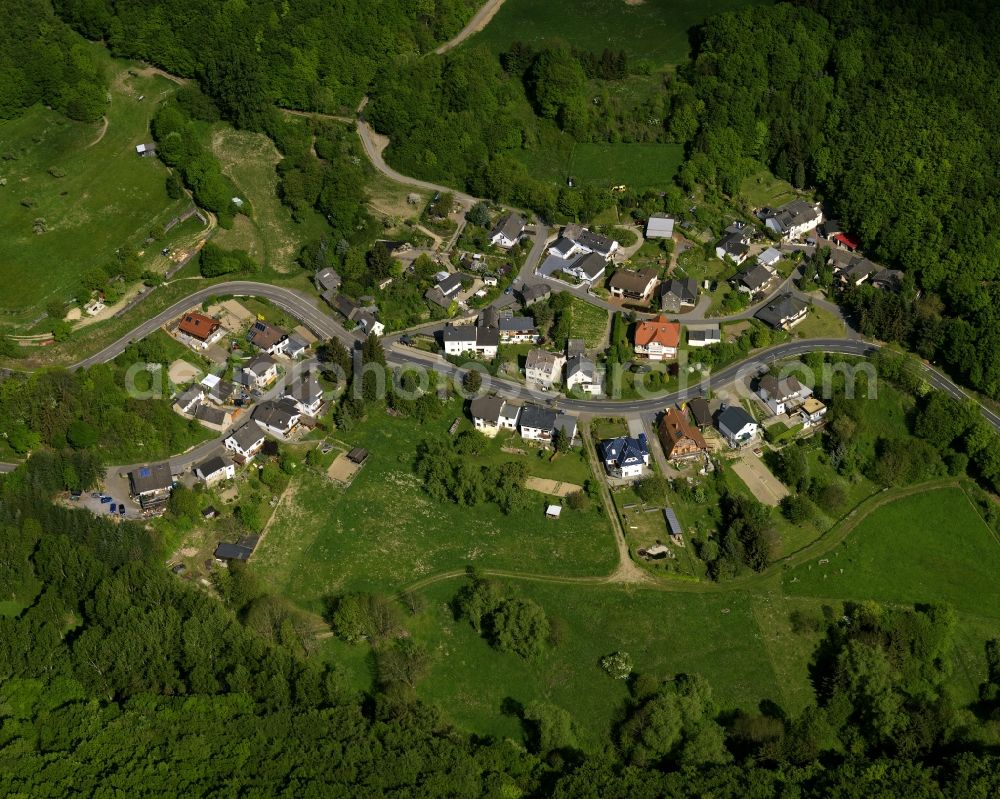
column 479, row 21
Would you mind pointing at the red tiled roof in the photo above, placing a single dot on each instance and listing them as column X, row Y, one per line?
column 198, row 325
column 660, row 330
column 851, row 242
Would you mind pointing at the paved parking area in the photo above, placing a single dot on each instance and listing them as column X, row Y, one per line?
column 758, row 478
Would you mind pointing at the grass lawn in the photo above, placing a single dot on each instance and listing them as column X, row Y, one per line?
column 107, row 196
column 764, row 189
column 270, row 234
column 929, row 547
column 588, row 322
column 383, row 532
column 644, row 527
column 820, row 323
column 711, row 634
column 655, row 29
column 638, row 166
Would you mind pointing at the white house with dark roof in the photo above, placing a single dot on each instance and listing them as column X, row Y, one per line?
column 517, row 330
column 784, row 312
column 781, row 395
column 769, row 258
column 794, row 219
column 491, row 414
column 245, row 442
column 582, row 375
column 540, row 424
column 307, row 394
column 215, row 469
column 543, row 367
column 577, row 240
column 737, row 426
column 260, row 372
column 151, row 485
column 735, row 243
column 189, row 399
column 625, row 457
column 703, row 335
column 277, row 418
column 507, row 232
column 477, row 340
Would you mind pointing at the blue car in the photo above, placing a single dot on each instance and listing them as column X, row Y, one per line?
column 113, row 508
column 105, row 500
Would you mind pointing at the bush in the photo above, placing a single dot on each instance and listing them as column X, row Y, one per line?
column 618, row 665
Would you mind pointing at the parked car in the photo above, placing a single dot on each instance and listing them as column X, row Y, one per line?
column 121, row 510
column 105, row 499
column 113, row 508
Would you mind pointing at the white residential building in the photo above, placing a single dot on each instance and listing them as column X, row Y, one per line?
column 491, row 414
column 245, row 442
column 480, row 341
column 781, row 396
column 215, row 469
column 543, row 367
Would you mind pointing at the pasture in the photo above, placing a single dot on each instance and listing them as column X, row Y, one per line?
column 638, row 166
column 657, row 30
column 87, row 183
column 927, row 547
column 383, row 532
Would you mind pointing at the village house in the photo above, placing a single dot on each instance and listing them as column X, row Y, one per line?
column 543, row 367
column 189, row 399
column 657, row 339
column 508, row 231
column 582, row 375
column 215, row 469
column 587, row 268
column 213, row 418
column 200, row 331
column 812, row 412
column 769, row 258
column 146, row 150
column 856, row 272
column 784, row 312
column 532, row 294
column 491, row 414
column 476, row 340
column 241, row 550
column 277, row 418
column 677, row 295
column 794, row 219
column 632, row 285
column 307, row 394
column 367, row 322
column 735, row 243
column 517, row 329
column 781, row 396
column 266, row 337
column 295, row 347
column 245, row 442
column 754, row 280
column 701, row 411
column 260, row 372
column 219, row 391
column 678, row 437
column 659, row 226
column 737, row 426
column 151, row 485
column 703, row 335
column 577, row 240
column 540, row 424
column 625, row 457
column 327, row 283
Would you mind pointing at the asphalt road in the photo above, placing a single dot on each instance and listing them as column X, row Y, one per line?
column 305, row 308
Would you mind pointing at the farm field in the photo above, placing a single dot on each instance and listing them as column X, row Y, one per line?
column 588, row 322
column 384, row 533
column 106, row 195
column 657, row 30
column 638, row 166
column 929, row 547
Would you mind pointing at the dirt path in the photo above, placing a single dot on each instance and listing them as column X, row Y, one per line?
column 479, row 21
column 100, row 135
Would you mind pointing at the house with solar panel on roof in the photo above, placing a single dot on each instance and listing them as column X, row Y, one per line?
column 150, row 486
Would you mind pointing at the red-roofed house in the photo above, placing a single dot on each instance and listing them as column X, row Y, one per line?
column 658, row 339
column 847, row 241
column 203, row 329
